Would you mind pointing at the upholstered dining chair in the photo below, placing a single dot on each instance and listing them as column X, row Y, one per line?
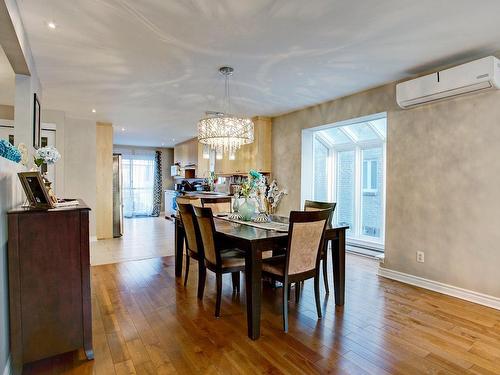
column 314, row 206
column 217, row 258
column 194, row 246
column 303, row 255
column 186, row 199
column 217, row 204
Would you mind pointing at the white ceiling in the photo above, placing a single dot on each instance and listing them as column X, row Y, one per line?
column 7, row 80
column 151, row 66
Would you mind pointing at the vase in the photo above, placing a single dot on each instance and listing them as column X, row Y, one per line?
column 247, row 209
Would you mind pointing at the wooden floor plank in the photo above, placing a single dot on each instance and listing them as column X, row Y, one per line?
column 146, row 322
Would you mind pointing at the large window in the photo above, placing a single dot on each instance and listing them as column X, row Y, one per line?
column 349, row 168
column 138, row 184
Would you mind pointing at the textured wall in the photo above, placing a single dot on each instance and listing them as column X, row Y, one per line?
column 442, row 181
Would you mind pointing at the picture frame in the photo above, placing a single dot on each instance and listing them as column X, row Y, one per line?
column 36, row 192
column 36, row 122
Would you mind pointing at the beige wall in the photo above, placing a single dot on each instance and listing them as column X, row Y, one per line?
column 80, row 163
column 442, row 181
column 6, row 112
column 104, row 180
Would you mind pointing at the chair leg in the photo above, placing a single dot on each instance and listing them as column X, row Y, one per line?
column 297, row 292
column 286, row 294
column 202, row 276
column 316, row 295
column 325, row 270
column 218, row 278
column 236, row 281
column 187, row 270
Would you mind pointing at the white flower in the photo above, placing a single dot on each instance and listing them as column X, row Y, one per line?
column 48, row 154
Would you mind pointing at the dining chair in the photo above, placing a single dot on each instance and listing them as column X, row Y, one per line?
column 218, row 259
column 217, row 204
column 302, row 258
column 314, row 206
column 194, row 246
column 186, row 199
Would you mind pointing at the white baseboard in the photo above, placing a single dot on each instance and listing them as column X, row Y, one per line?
column 7, row 369
column 468, row 295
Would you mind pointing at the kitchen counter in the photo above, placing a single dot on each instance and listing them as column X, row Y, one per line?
column 205, row 194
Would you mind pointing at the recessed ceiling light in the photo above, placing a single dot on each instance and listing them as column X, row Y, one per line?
column 93, row 110
column 123, row 129
column 173, row 139
column 163, row 144
column 51, row 25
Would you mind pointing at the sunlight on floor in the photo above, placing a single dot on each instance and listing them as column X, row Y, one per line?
column 143, row 238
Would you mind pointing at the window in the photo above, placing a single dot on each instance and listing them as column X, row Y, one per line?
column 349, row 169
column 320, row 179
column 370, row 176
column 371, row 199
column 138, row 185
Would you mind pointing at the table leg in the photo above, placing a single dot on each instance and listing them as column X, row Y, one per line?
column 338, row 258
column 253, row 279
column 179, row 248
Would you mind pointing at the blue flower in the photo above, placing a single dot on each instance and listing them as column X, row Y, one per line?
column 255, row 175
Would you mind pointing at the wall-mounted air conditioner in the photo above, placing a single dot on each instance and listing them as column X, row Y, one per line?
column 475, row 76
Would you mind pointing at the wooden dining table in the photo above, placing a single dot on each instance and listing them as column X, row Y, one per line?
column 254, row 241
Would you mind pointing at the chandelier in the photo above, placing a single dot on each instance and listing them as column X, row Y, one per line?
column 224, row 132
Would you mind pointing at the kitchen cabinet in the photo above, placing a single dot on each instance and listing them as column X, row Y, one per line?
column 186, row 153
column 203, row 167
column 256, row 155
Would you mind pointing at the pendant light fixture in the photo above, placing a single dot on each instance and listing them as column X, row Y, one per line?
column 222, row 131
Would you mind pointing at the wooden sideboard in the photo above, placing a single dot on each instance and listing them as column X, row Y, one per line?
column 49, row 283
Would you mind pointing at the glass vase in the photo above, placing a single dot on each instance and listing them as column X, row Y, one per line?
column 247, row 209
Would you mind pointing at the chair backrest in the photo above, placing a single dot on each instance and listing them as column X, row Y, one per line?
column 218, row 205
column 205, row 219
column 316, row 205
column 190, row 224
column 196, row 202
column 305, row 240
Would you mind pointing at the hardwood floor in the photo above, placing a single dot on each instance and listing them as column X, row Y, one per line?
column 156, row 232
column 146, row 322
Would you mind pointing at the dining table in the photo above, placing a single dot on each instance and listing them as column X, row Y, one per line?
column 253, row 239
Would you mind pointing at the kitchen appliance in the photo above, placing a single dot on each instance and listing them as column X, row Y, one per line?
column 117, row 196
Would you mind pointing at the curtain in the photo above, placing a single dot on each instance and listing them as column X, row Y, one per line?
column 157, row 188
column 138, row 184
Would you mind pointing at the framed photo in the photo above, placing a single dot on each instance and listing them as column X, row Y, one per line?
column 36, row 122
column 35, row 190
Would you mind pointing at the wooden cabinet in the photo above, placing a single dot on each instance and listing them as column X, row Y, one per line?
column 186, row 153
column 256, row 155
column 49, row 283
column 203, row 166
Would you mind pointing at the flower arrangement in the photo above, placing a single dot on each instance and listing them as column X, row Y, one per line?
column 9, row 152
column 212, row 180
column 274, row 196
column 253, row 184
column 46, row 155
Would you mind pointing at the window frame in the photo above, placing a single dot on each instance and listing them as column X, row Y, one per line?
column 355, row 234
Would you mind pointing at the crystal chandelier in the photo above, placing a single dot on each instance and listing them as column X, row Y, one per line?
column 222, row 131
